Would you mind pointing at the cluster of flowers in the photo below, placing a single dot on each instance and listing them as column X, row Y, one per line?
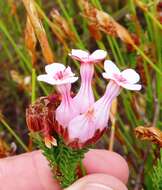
column 80, row 118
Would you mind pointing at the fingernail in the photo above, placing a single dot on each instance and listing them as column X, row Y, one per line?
column 96, row 186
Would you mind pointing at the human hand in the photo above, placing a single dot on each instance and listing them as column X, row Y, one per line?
column 30, row 171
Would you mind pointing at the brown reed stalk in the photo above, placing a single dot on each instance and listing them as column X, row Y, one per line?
column 30, row 40
column 39, row 30
column 54, row 27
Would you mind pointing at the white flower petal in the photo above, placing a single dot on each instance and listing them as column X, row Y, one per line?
column 46, row 78
column 130, row 75
column 111, row 68
column 69, row 71
column 132, row 86
column 64, row 81
column 80, row 54
column 70, row 80
column 107, row 76
column 54, row 68
column 98, row 55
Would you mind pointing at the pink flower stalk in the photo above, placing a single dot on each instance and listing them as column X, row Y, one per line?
column 88, row 127
column 85, row 98
column 58, row 74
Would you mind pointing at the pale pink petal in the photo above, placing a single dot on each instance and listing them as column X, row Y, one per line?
column 69, row 80
column 98, row 55
column 130, row 75
column 69, row 72
column 111, row 68
column 46, row 78
column 65, row 81
column 79, row 54
column 107, row 76
column 81, row 128
column 132, row 86
column 54, row 68
column 50, row 80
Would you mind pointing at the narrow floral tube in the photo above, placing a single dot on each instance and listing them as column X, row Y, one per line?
column 103, row 105
column 85, row 97
column 66, row 110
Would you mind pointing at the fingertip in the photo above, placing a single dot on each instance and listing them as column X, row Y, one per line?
column 29, row 171
column 107, row 162
column 43, row 171
column 98, row 182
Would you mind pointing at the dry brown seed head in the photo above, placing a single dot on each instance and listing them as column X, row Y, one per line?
column 40, row 115
column 95, row 33
column 63, row 25
column 39, row 30
column 105, row 22
column 152, row 134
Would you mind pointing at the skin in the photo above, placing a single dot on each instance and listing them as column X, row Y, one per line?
column 30, row 171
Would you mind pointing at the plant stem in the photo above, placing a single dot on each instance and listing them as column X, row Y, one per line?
column 33, row 97
column 14, row 134
column 83, row 170
column 27, row 66
column 112, row 137
column 147, row 59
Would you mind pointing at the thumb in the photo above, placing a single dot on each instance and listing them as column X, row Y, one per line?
column 98, row 182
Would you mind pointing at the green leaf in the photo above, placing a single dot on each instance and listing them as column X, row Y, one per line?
column 157, row 175
column 63, row 160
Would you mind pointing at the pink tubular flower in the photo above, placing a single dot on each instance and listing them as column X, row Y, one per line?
column 85, row 98
column 81, row 121
column 88, row 127
column 58, row 74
